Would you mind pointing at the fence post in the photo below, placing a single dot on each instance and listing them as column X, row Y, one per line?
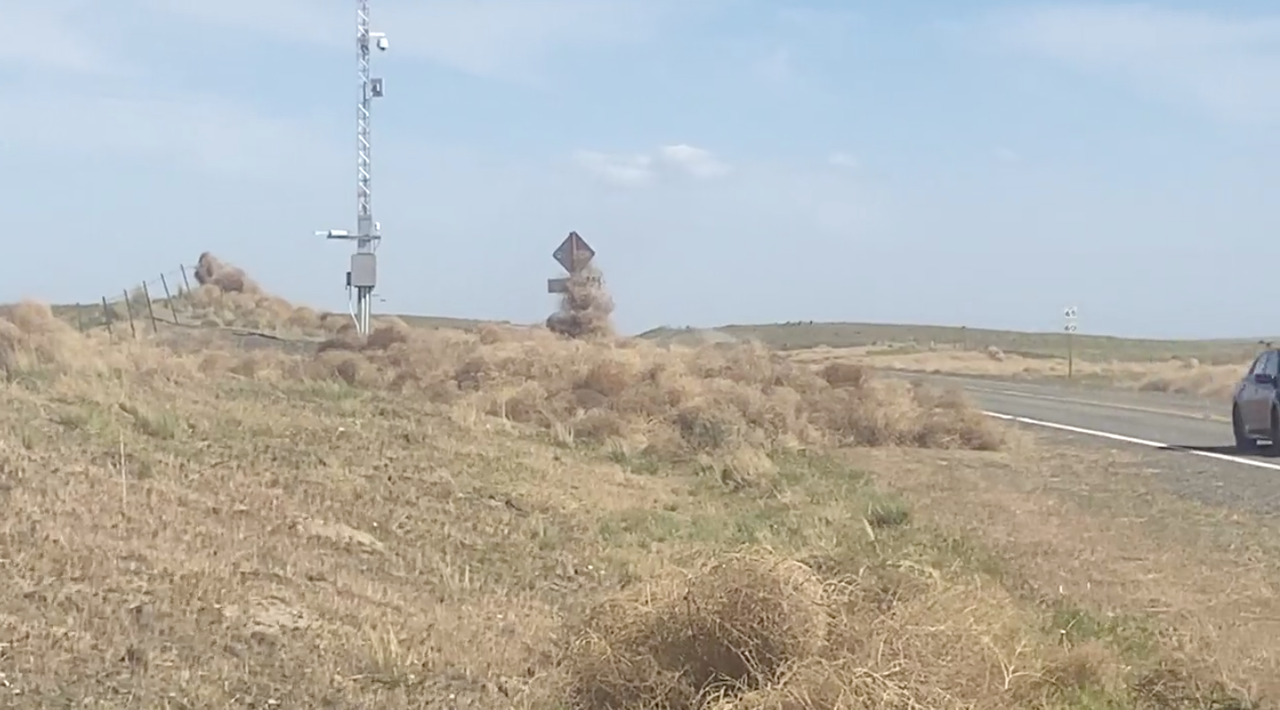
column 185, row 282
column 79, row 318
column 128, row 307
column 106, row 316
column 146, row 293
column 169, row 297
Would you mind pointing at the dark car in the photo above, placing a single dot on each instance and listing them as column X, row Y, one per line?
column 1255, row 409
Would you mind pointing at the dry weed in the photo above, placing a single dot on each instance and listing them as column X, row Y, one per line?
column 1186, row 376
column 738, row 622
column 695, row 400
column 586, row 309
column 31, row 337
column 211, row 271
column 416, row 533
column 759, row 632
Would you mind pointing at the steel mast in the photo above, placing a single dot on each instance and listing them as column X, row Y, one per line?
column 363, row 275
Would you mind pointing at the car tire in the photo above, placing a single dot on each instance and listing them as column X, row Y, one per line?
column 1243, row 441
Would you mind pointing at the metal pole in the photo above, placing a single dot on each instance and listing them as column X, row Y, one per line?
column 1070, row 315
column 79, row 318
column 1071, row 356
column 185, row 282
column 368, row 234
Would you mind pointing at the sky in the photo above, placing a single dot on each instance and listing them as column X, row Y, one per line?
column 730, row 161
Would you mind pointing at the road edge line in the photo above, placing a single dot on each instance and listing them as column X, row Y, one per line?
column 1133, row 440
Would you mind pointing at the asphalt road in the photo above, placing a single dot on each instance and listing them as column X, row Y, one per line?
column 1186, row 440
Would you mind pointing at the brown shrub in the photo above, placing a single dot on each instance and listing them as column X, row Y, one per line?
column 31, row 337
column 738, row 621
column 763, row 633
column 725, row 406
column 586, row 309
column 211, row 271
column 227, row 297
column 695, row 400
column 845, row 374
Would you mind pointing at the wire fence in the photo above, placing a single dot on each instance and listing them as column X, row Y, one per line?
column 146, row 306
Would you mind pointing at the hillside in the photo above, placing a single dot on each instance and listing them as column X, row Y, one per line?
column 511, row 518
column 800, row 336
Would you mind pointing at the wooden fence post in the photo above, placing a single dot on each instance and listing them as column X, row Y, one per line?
column 128, row 306
column 106, row 317
column 173, row 308
column 146, row 293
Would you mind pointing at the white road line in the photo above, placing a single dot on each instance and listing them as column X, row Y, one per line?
column 1135, row 440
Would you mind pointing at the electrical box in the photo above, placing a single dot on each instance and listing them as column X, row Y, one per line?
column 364, row 270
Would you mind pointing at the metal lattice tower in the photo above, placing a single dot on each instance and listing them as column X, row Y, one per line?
column 364, row 266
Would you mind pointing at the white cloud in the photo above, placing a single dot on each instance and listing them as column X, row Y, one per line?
column 1225, row 64
column 640, row 170
column 843, row 160
column 694, row 161
column 499, row 38
column 617, row 170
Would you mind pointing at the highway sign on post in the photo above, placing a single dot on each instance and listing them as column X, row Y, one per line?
column 1070, row 314
column 574, row 254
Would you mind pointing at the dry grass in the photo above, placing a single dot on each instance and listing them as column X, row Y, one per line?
column 1120, row 551
column 1176, row 375
column 506, row 518
column 224, row 298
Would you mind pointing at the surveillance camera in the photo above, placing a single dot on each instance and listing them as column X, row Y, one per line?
column 383, row 44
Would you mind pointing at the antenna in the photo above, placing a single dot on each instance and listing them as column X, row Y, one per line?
column 363, row 276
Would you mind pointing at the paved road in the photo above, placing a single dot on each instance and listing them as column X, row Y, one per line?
column 1198, row 460
column 1177, row 421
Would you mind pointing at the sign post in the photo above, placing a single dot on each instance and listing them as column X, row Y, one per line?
column 575, row 255
column 1070, row 315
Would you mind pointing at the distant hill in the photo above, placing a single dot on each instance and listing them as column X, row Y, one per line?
column 802, row 335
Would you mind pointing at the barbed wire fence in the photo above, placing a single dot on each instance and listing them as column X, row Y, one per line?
column 146, row 306
column 171, row 304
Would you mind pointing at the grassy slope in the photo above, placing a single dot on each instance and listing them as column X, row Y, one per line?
column 211, row 528
column 193, row 309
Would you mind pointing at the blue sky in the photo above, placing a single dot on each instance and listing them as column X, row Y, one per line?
column 976, row 163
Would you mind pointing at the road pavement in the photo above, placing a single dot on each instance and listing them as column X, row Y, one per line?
column 1187, row 441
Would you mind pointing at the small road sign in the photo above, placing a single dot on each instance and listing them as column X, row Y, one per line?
column 561, row 285
column 574, row 254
